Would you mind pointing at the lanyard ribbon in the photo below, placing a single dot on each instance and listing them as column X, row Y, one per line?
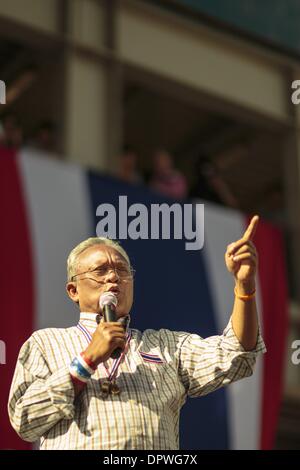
column 117, row 361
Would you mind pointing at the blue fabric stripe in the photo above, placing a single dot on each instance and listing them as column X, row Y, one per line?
column 155, row 359
column 152, row 360
column 150, row 356
column 172, row 292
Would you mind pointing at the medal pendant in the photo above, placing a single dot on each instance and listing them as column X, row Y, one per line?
column 114, row 389
column 105, row 388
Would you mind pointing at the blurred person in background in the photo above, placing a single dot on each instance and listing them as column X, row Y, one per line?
column 273, row 208
column 45, row 136
column 210, row 185
column 165, row 178
column 11, row 134
column 128, row 166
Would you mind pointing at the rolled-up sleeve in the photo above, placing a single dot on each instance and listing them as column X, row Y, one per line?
column 38, row 397
column 208, row 364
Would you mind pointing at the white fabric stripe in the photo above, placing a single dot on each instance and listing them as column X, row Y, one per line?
column 223, row 226
column 85, row 365
column 60, row 215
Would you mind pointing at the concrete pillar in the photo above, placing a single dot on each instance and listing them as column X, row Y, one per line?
column 86, row 140
column 93, row 85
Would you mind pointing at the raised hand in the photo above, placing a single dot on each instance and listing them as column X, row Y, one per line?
column 241, row 257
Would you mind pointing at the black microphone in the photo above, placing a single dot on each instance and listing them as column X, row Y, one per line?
column 108, row 302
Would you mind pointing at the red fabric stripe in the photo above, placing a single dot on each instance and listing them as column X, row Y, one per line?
column 274, row 293
column 153, row 362
column 16, row 287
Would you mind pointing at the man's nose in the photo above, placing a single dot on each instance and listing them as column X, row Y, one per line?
column 113, row 275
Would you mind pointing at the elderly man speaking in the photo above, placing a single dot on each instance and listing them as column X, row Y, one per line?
column 70, row 393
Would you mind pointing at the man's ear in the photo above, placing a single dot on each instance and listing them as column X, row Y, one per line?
column 71, row 288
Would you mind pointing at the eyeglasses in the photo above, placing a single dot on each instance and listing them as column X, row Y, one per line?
column 98, row 274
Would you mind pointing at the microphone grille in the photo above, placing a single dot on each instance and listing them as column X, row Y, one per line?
column 108, row 298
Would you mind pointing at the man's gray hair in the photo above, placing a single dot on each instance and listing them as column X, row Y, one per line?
column 73, row 256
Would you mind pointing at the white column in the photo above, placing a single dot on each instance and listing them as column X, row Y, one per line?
column 86, row 111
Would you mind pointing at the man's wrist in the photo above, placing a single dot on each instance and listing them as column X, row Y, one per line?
column 87, row 359
column 245, row 287
column 92, row 358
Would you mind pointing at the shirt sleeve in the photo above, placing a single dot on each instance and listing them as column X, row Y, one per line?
column 38, row 397
column 208, row 364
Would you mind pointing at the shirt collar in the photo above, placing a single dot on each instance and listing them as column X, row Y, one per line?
column 91, row 320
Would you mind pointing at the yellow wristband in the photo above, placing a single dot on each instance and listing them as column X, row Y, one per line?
column 245, row 297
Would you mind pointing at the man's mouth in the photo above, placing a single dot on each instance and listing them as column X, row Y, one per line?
column 114, row 290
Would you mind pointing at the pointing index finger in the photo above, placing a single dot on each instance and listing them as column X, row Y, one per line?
column 251, row 229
